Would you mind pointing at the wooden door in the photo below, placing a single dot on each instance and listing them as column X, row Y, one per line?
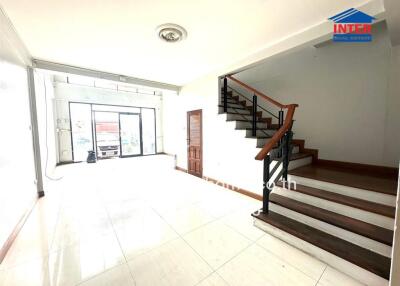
column 195, row 142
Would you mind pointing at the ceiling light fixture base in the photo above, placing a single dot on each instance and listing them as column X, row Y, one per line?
column 171, row 33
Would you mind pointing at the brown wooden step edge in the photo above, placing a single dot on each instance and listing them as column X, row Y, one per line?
column 231, row 101
column 371, row 231
column 345, row 200
column 364, row 258
column 338, row 177
column 234, row 105
column 259, row 114
column 299, row 156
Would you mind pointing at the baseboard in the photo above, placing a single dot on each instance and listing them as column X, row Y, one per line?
column 376, row 170
column 181, row 169
column 64, row 163
column 11, row 238
column 165, row 153
column 227, row 186
column 76, row 162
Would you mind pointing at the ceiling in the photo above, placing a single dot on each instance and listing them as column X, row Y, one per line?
column 118, row 36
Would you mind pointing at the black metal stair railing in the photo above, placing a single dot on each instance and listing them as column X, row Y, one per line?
column 280, row 155
column 240, row 94
column 254, row 108
column 225, row 94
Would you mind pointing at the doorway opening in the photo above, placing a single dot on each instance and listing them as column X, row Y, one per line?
column 195, row 142
column 111, row 131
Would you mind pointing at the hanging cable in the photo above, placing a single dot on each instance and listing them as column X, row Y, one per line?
column 47, row 145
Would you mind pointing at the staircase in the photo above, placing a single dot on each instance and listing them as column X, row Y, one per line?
column 338, row 214
column 239, row 109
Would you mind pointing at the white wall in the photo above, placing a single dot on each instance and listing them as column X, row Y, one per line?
column 342, row 92
column 17, row 173
column 46, row 122
column 227, row 155
column 392, row 126
column 65, row 93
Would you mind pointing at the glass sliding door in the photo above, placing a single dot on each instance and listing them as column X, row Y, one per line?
column 149, row 131
column 130, row 134
column 81, row 130
column 107, row 134
column 111, row 130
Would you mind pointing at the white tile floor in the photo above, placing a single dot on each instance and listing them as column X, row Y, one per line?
column 139, row 222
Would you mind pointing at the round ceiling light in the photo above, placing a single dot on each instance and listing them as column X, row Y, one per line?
column 171, row 33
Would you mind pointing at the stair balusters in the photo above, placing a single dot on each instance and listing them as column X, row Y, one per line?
column 278, row 149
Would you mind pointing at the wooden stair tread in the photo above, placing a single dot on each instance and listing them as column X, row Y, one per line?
column 249, row 120
column 263, row 128
column 259, row 137
column 265, row 135
column 235, row 107
column 366, row 259
column 229, row 92
column 234, row 113
column 345, row 200
column 371, row 231
column 346, row 178
column 231, row 101
column 249, row 113
column 298, row 156
column 230, row 98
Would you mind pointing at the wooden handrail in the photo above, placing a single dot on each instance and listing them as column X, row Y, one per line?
column 287, row 124
column 257, row 92
column 279, row 134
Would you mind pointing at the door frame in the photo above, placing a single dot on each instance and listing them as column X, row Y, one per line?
column 94, row 134
column 140, row 132
column 200, row 112
column 71, row 129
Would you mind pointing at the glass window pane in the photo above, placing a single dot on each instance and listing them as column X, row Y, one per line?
column 130, row 134
column 81, row 123
column 107, row 134
column 149, row 131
